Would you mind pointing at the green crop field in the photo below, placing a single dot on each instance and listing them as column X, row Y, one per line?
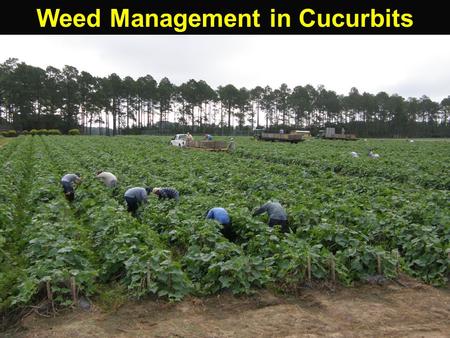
column 3, row 141
column 350, row 218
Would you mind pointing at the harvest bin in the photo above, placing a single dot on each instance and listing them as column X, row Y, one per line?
column 208, row 145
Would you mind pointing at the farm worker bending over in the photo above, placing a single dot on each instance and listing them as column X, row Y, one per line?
column 136, row 196
column 189, row 138
column 208, row 137
column 231, row 146
column 107, row 178
column 373, row 155
column 354, row 154
column 277, row 215
column 221, row 216
column 68, row 182
column 166, row 193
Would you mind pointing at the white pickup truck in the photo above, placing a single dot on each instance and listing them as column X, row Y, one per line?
column 179, row 140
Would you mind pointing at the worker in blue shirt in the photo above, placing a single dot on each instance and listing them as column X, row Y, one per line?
column 68, row 182
column 221, row 216
column 136, row 196
column 208, row 137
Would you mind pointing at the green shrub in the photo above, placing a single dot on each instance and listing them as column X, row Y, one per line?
column 54, row 132
column 74, row 132
column 42, row 132
column 26, row 132
column 9, row 133
column 34, row 132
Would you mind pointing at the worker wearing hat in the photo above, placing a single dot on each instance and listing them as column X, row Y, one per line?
column 169, row 193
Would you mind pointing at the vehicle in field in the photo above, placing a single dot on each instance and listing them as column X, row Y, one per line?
column 330, row 134
column 305, row 133
column 179, row 140
column 292, row 137
column 182, row 140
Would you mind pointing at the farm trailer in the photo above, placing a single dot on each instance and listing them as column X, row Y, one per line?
column 181, row 140
column 280, row 137
column 330, row 134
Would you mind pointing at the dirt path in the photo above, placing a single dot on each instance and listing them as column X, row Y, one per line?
column 413, row 310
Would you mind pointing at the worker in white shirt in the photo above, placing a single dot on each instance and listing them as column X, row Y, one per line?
column 373, row 155
column 107, row 178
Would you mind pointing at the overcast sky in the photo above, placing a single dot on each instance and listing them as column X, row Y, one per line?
column 410, row 66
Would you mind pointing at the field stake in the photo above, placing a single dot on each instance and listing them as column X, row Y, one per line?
column 309, row 267
column 379, row 264
column 148, row 275
column 73, row 288
column 49, row 291
column 50, row 295
column 333, row 269
column 142, row 285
